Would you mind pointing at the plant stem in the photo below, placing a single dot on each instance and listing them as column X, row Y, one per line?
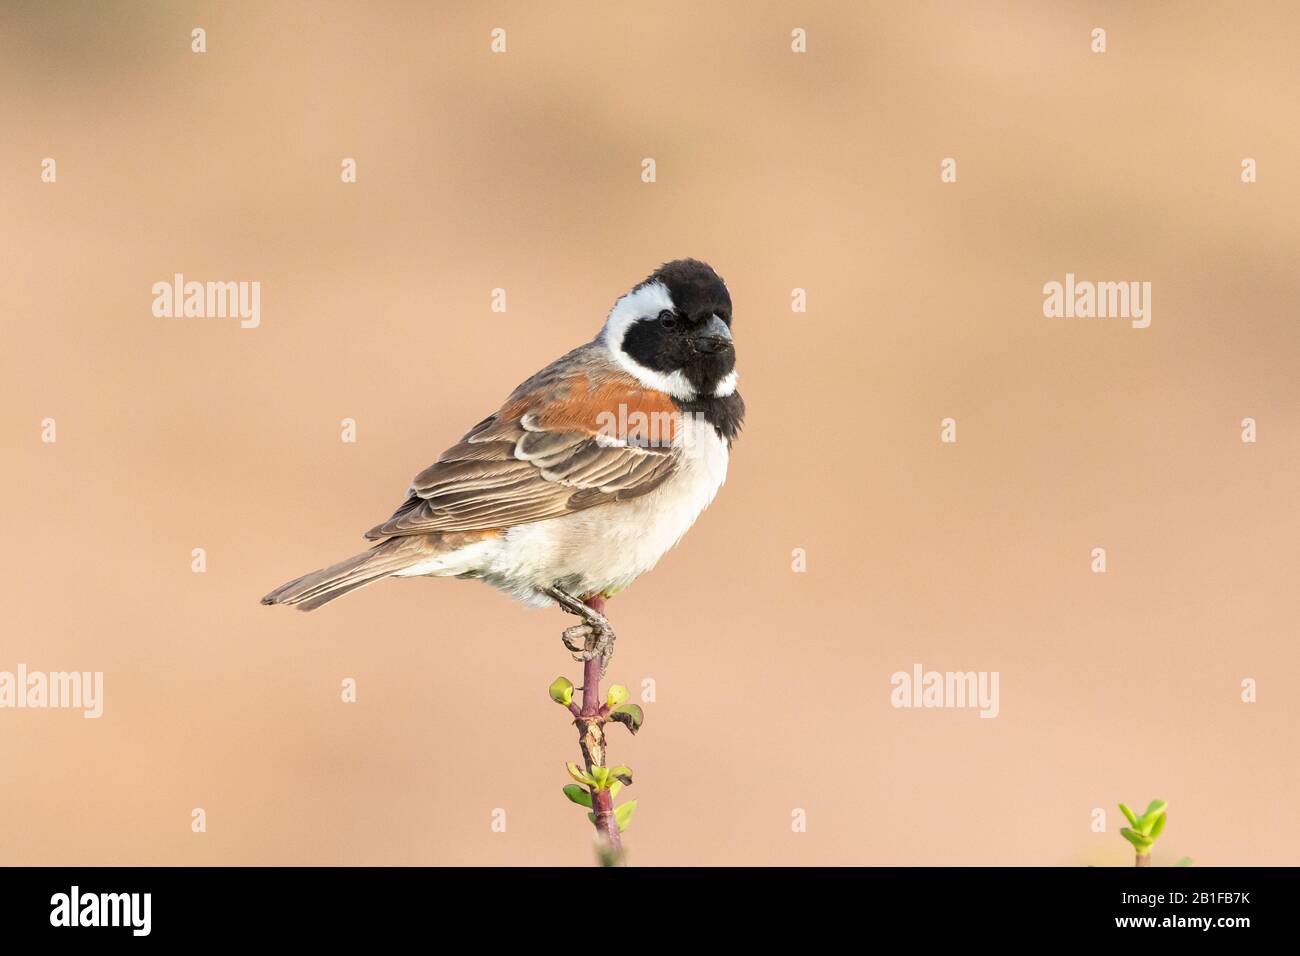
column 1143, row 859
column 591, row 740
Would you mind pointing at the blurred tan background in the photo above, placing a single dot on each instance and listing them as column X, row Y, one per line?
column 522, row 171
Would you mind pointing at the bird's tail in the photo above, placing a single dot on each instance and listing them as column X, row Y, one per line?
column 320, row 587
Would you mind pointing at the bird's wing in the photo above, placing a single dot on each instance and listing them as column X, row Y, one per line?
column 572, row 437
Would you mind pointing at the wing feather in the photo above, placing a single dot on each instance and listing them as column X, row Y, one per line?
column 549, row 451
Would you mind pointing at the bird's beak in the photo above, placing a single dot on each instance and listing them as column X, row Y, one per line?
column 713, row 337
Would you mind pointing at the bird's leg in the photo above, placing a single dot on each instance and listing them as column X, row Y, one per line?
column 593, row 637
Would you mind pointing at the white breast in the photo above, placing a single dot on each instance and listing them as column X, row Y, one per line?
column 603, row 549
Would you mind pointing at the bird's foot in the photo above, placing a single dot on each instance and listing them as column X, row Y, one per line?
column 586, row 641
column 594, row 637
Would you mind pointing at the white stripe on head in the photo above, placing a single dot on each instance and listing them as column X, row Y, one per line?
column 646, row 301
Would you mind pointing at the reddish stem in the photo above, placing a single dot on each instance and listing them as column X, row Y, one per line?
column 592, row 730
column 591, row 668
column 591, row 687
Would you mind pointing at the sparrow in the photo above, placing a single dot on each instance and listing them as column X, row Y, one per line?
column 585, row 477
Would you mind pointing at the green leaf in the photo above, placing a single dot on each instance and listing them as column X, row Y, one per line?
column 1147, row 822
column 1133, row 820
column 601, row 775
column 578, row 795
column 629, row 715
column 623, row 814
column 1156, row 806
column 622, row 773
column 561, row 691
column 580, row 775
column 617, row 695
column 615, row 787
column 1160, row 825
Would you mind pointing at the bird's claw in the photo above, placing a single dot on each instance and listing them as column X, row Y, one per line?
column 586, row 641
column 576, row 639
column 593, row 637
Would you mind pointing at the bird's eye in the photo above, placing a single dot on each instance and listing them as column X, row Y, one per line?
column 667, row 320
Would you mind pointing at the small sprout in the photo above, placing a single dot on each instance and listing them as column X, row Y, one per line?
column 600, row 778
column 561, row 691
column 1146, row 828
column 617, row 695
column 623, row 815
column 629, row 715
column 1185, row 861
column 578, row 795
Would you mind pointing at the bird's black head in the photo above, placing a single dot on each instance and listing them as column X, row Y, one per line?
column 673, row 331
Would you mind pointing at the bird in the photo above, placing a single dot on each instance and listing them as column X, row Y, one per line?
column 589, row 472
